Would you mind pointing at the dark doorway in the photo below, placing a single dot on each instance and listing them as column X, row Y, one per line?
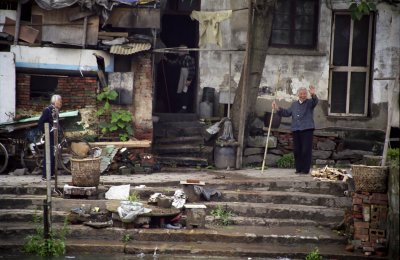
column 177, row 29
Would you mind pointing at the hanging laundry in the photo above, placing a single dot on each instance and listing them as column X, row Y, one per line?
column 209, row 22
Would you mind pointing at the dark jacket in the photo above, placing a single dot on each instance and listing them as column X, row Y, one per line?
column 302, row 114
column 47, row 117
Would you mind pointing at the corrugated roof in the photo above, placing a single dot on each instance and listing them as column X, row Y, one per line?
column 129, row 48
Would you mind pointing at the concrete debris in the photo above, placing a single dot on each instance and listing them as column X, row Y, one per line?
column 120, row 192
column 330, row 174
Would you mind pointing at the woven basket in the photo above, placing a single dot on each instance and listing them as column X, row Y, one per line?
column 370, row 178
column 85, row 172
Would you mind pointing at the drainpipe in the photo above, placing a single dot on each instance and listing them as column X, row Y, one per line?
column 17, row 23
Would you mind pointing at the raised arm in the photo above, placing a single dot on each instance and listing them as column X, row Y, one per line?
column 281, row 111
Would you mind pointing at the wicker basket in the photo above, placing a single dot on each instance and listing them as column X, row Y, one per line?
column 85, row 172
column 370, row 178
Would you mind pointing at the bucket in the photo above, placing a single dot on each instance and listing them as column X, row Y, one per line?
column 208, row 94
column 224, row 157
column 206, row 109
column 276, row 120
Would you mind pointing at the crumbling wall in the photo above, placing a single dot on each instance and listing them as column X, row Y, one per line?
column 77, row 92
column 143, row 97
column 300, row 68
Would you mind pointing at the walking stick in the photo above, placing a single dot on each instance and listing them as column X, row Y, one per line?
column 269, row 128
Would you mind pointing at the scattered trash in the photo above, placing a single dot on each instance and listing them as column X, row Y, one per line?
column 128, row 211
column 19, row 172
column 171, row 226
column 120, row 192
column 94, row 224
column 330, row 174
column 206, row 193
column 140, row 186
column 179, row 199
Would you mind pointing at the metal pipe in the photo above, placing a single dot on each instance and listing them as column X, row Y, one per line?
column 47, row 206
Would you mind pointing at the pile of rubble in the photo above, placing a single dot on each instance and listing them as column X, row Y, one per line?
column 369, row 215
column 330, row 174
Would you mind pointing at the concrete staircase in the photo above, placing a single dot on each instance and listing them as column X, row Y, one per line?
column 273, row 217
column 178, row 141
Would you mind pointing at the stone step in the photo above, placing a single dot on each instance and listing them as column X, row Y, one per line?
column 221, row 182
column 191, row 250
column 286, row 211
column 183, row 149
column 182, row 161
column 176, row 132
column 284, row 235
column 27, row 216
column 194, row 140
column 261, row 196
column 177, row 117
column 179, row 124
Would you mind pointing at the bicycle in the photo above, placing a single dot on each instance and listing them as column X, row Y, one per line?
column 3, row 158
column 34, row 151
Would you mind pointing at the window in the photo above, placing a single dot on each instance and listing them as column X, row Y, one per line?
column 42, row 87
column 350, row 65
column 295, row 24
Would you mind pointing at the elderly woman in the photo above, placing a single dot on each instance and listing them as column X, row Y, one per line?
column 302, row 113
column 50, row 115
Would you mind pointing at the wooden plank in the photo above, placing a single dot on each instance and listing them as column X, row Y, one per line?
column 127, row 144
column 27, row 33
column 76, row 14
column 113, row 34
column 59, row 30
column 37, row 21
column 135, row 18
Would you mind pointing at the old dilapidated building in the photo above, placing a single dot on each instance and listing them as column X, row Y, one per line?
column 354, row 64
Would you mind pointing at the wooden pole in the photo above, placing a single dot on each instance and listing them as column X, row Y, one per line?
column 47, row 206
column 389, row 123
column 17, row 23
column 246, row 81
column 230, row 85
column 85, row 24
column 270, row 124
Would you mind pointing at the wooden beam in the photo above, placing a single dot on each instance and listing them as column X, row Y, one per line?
column 127, row 144
column 246, row 82
column 18, row 23
column 25, row 33
column 114, row 34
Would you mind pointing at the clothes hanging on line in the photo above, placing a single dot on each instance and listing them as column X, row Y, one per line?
column 209, row 23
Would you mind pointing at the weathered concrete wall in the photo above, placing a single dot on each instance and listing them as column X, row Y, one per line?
column 7, row 86
column 142, row 97
column 393, row 217
column 304, row 67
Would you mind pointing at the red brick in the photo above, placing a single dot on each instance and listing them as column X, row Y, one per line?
column 361, row 237
column 377, row 232
column 380, row 196
column 361, row 231
column 361, row 224
column 357, row 201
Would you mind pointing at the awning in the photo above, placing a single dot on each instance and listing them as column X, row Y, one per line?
column 129, row 48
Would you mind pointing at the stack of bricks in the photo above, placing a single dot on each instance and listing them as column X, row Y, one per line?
column 370, row 212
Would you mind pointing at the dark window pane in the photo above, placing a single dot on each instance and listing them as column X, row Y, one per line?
column 303, row 37
column 342, row 39
column 360, row 42
column 280, row 37
column 282, row 6
column 43, row 86
column 339, row 92
column 357, row 92
column 304, row 22
column 281, row 22
column 291, row 17
column 305, row 7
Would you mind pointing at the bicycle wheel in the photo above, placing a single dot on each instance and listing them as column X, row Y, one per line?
column 66, row 151
column 32, row 155
column 3, row 158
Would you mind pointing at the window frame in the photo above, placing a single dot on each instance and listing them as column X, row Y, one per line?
column 350, row 69
column 292, row 29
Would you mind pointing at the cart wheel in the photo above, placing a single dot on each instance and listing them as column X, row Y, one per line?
column 3, row 158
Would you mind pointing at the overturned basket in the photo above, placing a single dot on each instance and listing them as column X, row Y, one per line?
column 370, row 178
column 85, row 172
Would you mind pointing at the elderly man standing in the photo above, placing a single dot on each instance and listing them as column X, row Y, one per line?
column 50, row 115
column 302, row 113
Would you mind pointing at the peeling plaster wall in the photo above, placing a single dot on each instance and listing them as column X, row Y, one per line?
column 304, row 67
